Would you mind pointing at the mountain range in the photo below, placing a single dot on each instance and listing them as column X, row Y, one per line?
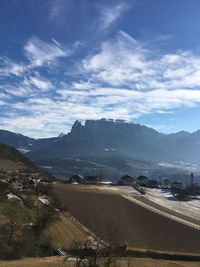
column 107, row 144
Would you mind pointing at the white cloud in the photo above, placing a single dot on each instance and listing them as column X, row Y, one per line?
column 18, row 91
column 123, row 61
column 41, row 84
column 108, row 15
column 124, row 79
column 57, row 10
column 40, row 52
column 9, row 67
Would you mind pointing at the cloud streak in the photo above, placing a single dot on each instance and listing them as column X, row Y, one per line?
column 40, row 52
column 109, row 15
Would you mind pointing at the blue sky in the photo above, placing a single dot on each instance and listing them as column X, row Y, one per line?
column 62, row 60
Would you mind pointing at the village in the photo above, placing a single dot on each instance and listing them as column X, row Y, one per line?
column 26, row 182
column 181, row 191
column 16, row 180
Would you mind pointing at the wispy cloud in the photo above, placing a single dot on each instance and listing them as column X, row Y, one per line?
column 57, row 10
column 40, row 52
column 123, row 61
column 109, row 15
column 41, row 84
column 9, row 67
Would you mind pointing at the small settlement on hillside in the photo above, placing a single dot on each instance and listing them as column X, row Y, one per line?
column 178, row 189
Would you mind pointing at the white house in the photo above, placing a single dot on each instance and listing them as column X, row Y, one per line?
column 16, row 183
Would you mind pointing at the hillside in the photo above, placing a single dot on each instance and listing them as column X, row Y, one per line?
column 16, row 140
column 12, row 159
column 11, row 154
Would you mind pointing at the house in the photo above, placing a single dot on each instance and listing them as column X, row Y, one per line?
column 32, row 183
column 126, row 180
column 92, row 179
column 165, row 183
column 142, row 180
column 16, row 183
column 76, row 179
column 176, row 187
column 193, row 190
column 152, row 183
column 182, row 194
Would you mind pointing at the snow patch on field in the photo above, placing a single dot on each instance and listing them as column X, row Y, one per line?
column 166, row 199
column 44, row 200
column 23, row 150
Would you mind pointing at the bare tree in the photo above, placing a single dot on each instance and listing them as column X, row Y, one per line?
column 103, row 242
column 44, row 216
column 16, row 216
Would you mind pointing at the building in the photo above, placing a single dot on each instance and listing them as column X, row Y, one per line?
column 176, row 186
column 92, row 179
column 165, row 184
column 126, row 180
column 16, row 183
column 142, row 180
column 153, row 183
column 191, row 179
column 32, row 183
column 76, row 179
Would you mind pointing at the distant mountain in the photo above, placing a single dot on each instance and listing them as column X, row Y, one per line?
column 118, row 139
column 107, row 144
column 24, row 143
column 103, row 139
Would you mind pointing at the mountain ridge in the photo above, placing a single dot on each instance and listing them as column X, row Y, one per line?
column 110, row 143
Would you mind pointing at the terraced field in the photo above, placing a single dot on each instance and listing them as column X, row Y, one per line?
column 136, row 226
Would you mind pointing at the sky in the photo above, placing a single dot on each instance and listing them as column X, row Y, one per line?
column 67, row 60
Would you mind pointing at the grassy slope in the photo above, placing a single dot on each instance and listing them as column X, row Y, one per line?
column 12, row 154
column 7, row 164
column 58, row 262
column 64, row 232
column 12, row 159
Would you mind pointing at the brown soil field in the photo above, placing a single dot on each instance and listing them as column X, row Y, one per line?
column 122, row 262
column 136, row 226
column 167, row 210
